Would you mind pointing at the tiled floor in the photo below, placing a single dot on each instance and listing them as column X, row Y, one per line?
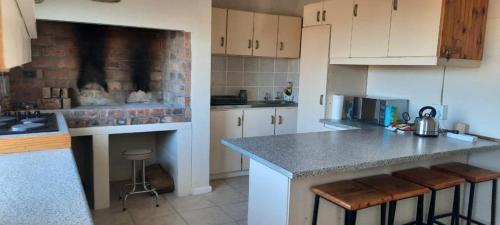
column 226, row 205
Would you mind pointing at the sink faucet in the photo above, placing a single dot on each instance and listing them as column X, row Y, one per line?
column 267, row 97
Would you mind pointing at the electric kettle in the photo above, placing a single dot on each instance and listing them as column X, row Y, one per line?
column 426, row 125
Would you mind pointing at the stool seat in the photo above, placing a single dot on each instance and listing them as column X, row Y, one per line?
column 468, row 172
column 351, row 195
column 399, row 189
column 432, row 179
column 137, row 154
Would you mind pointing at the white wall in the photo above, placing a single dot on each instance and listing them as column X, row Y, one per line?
column 188, row 15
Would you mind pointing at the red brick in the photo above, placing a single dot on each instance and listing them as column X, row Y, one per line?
column 67, row 63
column 114, row 86
column 55, row 74
column 42, row 41
column 54, row 51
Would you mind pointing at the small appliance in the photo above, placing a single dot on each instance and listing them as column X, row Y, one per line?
column 375, row 109
column 426, row 125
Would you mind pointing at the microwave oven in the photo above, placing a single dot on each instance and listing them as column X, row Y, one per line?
column 373, row 109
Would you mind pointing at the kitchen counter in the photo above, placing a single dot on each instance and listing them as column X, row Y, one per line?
column 256, row 104
column 311, row 154
column 42, row 187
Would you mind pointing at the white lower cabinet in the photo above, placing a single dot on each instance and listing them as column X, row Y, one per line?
column 237, row 123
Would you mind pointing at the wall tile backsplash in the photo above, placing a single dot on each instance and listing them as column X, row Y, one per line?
column 257, row 75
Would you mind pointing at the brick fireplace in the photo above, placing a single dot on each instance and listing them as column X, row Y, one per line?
column 118, row 60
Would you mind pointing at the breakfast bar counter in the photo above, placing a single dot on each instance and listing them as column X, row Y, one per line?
column 284, row 168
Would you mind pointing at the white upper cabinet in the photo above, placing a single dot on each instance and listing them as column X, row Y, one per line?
column 415, row 28
column 219, row 24
column 289, row 33
column 239, row 32
column 265, row 35
column 313, row 14
column 371, row 28
column 16, row 30
column 339, row 14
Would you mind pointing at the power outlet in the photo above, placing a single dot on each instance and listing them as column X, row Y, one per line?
column 442, row 112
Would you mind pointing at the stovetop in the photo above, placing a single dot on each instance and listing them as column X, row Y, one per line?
column 27, row 122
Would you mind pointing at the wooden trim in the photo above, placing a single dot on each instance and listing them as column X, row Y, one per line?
column 34, row 143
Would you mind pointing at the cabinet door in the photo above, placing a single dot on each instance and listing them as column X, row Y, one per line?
column 219, row 22
column 15, row 38
column 225, row 124
column 415, row 28
column 258, row 122
column 286, row 121
column 312, row 14
column 239, row 32
column 371, row 25
column 339, row 13
column 313, row 77
column 289, row 33
column 265, row 35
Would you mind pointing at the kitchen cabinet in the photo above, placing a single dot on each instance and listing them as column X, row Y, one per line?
column 240, row 32
column 313, row 78
column 238, row 123
column 265, row 35
column 289, row 33
column 421, row 19
column 312, row 14
column 17, row 27
column 339, row 14
column 286, row 121
column 225, row 124
column 219, row 24
column 371, row 27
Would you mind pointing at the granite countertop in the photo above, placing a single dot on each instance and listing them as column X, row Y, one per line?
column 256, row 104
column 42, row 187
column 310, row 154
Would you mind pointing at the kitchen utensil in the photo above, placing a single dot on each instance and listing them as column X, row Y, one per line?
column 426, row 125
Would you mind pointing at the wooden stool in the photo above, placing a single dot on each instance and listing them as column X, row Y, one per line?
column 473, row 175
column 436, row 181
column 352, row 196
column 399, row 189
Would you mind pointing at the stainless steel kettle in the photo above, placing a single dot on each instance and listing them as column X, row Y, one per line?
column 426, row 125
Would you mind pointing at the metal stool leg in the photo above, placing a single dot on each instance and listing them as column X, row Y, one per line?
column 455, row 216
column 383, row 213
column 432, row 208
column 471, row 203
column 144, row 183
column 420, row 210
column 493, row 202
column 315, row 212
column 134, row 184
column 350, row 217
column 392, row 212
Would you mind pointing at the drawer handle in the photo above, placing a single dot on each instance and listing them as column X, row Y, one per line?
column 239, row 121
column 273, row 120
column 280, row 119
column 249, row 43
column 257, row 44
column 324, row 15
column 222, row 41
column 355, row 10
column 318, row 15
column 395, row 5
column 321, row 99
column 282, row 46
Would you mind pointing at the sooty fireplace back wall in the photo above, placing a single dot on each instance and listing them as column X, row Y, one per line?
column 108, row 62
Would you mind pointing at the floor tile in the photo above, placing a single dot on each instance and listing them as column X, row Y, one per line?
column 151, row 211
column 237, row 182
column 226, row 196
column 237, row 211
column 112, row 216
column 173, row 219
column 190, row 203
column 219, row 184
column 207, row 216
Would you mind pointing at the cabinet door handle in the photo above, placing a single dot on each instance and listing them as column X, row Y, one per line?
column 355, row 10
column 239, row 121
column 273, row 120
column 249, row 43
column 222, row 41
column 321, row 99
column 280, row 119
column 318, row 14
column 282, row 46
column 257, row 44
column 324, row 15
column 395, row 5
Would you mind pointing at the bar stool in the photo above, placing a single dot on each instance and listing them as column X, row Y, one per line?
column 138, row 155
column 436, row 181
column 399, row 189
column 352, row 196
column 473, row 175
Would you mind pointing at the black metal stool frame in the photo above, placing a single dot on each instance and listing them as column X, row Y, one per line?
column 470, row 206
column 350, row 215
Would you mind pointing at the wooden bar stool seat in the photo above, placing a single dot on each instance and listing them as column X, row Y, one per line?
column 436, row 181
column 399, row 189
column 352, row 196
column 473, row 175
